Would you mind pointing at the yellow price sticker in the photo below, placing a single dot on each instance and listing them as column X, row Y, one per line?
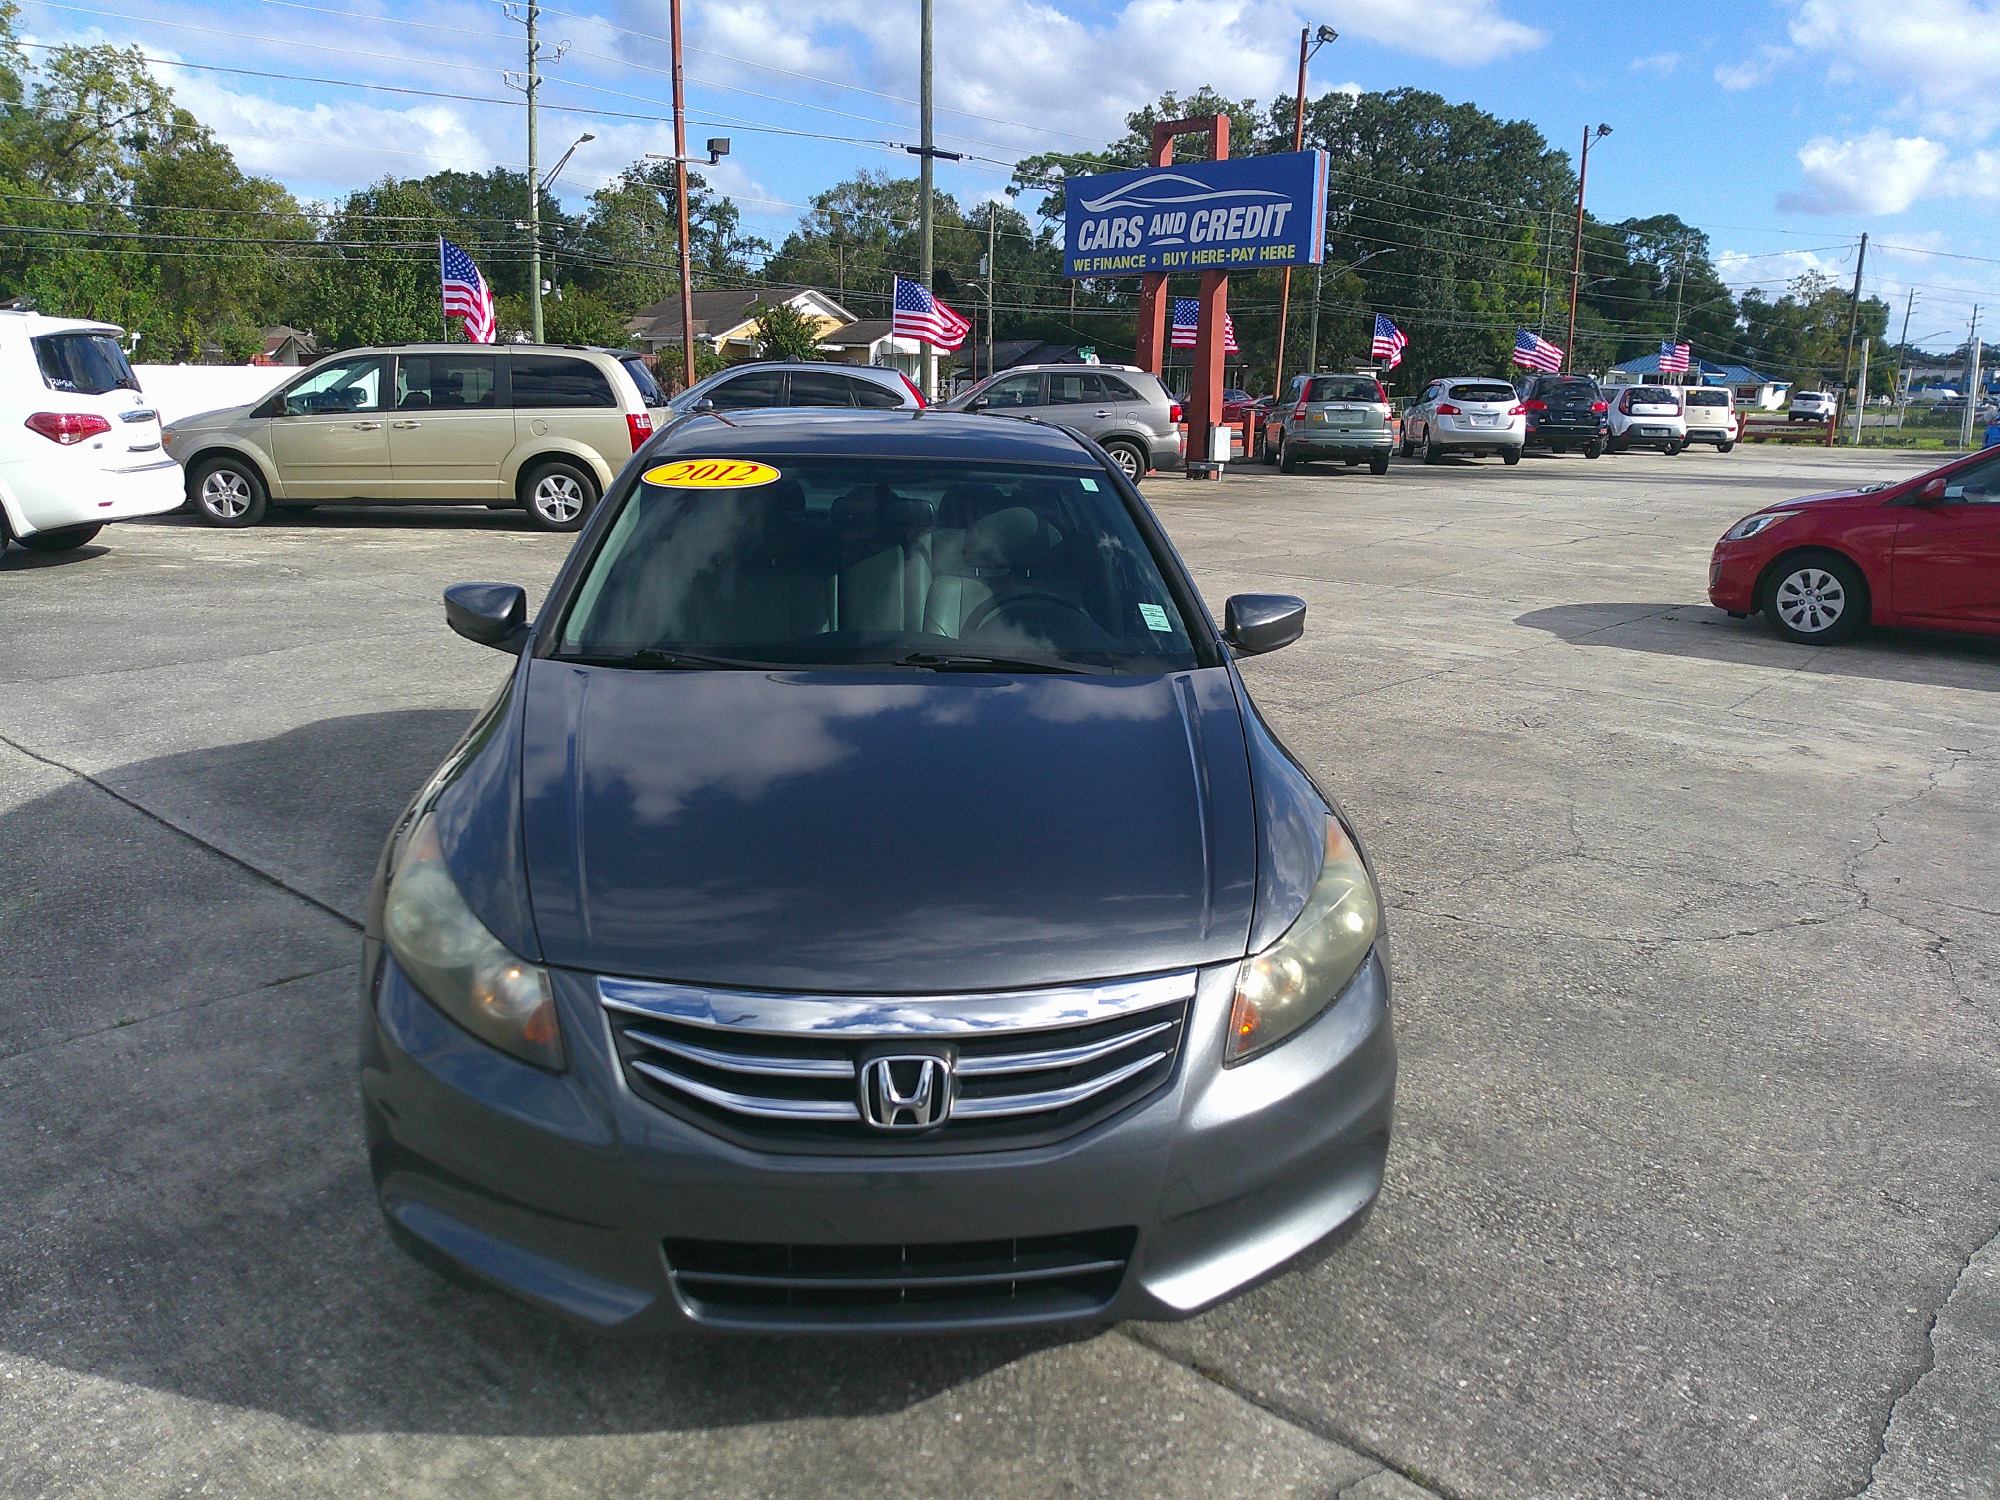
column 711, row 474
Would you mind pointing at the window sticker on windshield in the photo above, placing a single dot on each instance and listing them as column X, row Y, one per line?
column 1155, row 618
column 1089, row 484
column 711, row 474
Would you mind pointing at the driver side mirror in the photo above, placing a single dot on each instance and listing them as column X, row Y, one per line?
column 491, row 614
column 1932, row 493
column 977, row 403
column 1256, row 623
column 705, row 404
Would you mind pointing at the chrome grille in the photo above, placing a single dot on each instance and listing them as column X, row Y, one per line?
column 786, row 1071
column 1049, row 1276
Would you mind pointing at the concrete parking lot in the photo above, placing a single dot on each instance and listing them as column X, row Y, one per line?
column 1697, row 1180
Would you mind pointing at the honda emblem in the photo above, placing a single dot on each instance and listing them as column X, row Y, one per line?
column 906, row 1093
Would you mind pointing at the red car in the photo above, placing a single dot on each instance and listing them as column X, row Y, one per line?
column 1923, row 552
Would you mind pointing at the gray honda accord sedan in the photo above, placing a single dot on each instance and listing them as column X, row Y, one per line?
column 873, row 902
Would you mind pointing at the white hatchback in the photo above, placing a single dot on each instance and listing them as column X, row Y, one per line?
column 79, row 446
column 1647, row 416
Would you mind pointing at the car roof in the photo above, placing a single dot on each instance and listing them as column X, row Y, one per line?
column 833, row 432
column 40, row 322
column 799, row 364
column 1068, row 367
column 464, row 348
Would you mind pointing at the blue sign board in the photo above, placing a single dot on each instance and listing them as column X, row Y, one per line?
column 1240, row 215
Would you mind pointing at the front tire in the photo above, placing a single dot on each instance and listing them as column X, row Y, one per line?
column 1404, row 447
column 1432, row 453
column 60, row 538
column 559, row 495
column 1816, row 599
column 228, row 492
column 1128, row 458
column 1287, row 463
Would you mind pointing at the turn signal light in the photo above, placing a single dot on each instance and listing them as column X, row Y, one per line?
column 641, row 424
column 1520, row 411
column 1534, row 406
column 1299, row 412
column 67, row 427
column 1448, row 410
column 1174, row 413
column 1600, row 406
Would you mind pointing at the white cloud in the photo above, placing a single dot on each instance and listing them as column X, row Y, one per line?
column 1872, row 174
column 1663, row 63
column 1753, row 70
column 1943, row 56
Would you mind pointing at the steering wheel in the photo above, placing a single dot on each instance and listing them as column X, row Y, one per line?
column 983, row 613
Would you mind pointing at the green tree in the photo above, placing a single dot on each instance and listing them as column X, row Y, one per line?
column 783, row 332
column 373, row 278
column 627, row 248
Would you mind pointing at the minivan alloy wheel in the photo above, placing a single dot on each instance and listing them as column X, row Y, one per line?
column 225, row 494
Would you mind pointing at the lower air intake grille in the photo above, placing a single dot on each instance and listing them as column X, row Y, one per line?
column 1049, row 1276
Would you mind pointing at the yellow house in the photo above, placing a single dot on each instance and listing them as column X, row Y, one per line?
column 725, row 321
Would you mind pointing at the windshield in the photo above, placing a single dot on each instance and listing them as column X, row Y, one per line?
column 839, row 562
column 1343, row 388
column 90, row 364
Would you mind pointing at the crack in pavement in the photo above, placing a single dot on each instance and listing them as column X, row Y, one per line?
column 194, row 838
column 1925, row 1367
column 1326, row 1432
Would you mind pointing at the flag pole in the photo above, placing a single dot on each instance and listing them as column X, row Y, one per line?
column 444, row 318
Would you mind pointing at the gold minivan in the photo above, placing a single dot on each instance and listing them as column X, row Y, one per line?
column 541, row 427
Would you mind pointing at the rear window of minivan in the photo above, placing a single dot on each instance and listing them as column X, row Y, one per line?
column 1483, row 393
column 552, row 380
column 1343, row 388
column 90, row 364
column 650, row 393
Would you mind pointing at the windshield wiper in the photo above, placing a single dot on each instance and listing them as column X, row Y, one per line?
column 957, row 662
column 653, row 658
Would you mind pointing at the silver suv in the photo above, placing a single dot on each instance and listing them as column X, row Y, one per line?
column 1122, row 408
column 1331, row 416
column 544, row 427
column 801, row 383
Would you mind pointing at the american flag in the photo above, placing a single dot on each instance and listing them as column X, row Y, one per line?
column 466, row 294
column 1187, row 315
column 916, row 314
column 1673, row 358
column 1390, row 342
column 1533, row 352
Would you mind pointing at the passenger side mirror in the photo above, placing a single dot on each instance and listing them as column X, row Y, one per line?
column 705, row 404
column 492, row 614
column 977, row 403
column 1932, row 493
column 1256, row 623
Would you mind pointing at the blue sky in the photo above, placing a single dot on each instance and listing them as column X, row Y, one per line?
column 1784, row 128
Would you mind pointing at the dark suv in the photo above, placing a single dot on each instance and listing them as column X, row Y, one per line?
column 1564, row 412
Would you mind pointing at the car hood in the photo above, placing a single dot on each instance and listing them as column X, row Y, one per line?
column 209, row 421
column 1859, row 495
column 890, row 832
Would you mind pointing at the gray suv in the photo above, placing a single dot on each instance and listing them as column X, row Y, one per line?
column 1331, row 416
column 1124, row 409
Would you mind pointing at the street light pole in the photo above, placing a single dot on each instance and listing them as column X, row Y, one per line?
column 1903, row 361
column 1576, row 257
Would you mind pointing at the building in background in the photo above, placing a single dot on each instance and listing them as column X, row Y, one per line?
column 725, row 320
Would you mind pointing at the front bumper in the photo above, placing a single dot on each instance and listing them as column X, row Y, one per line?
column 1733, row 569
column 564, row 1188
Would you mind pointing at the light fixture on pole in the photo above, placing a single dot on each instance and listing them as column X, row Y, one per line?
column 1576, row 258
column 1308, row 45
column 562, row 161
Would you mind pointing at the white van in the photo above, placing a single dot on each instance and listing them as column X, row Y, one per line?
column 1710, row 412
column 79, row 446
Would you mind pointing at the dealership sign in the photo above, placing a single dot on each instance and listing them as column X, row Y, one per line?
column 1238, row 215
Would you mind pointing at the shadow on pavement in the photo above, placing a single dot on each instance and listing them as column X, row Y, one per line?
column 183, row 1182
column 1700, row 631
column 474, row 517
column 18, row 559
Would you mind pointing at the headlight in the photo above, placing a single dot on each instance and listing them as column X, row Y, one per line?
column 1749, row 526
column 1302, row 973
column 463, row 969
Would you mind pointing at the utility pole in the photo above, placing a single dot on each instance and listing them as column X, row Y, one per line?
column 681, row 203
column 992, row 271
column 1298, row 144
column 924, row 189
column 1972, row 353
column 1680, row 286
column 1903, row 361
column 1861, row 390
column 1576, row 257
column 1312, row 344
column 1853, row 319
column 534, row 16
